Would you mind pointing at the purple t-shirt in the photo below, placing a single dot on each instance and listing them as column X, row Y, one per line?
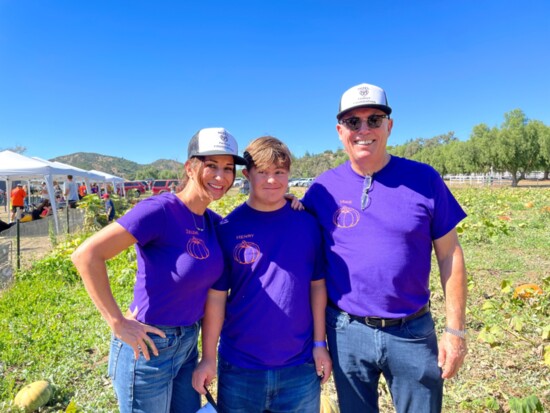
column 378, row 259
column 177, row 263
column 270, row 258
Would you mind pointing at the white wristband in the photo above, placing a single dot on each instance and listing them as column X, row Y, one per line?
column 458, row 333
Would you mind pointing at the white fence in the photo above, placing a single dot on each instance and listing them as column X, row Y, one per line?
column 489, row 179
column 478, row 179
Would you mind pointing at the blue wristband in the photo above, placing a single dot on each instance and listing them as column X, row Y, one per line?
column 319, row 344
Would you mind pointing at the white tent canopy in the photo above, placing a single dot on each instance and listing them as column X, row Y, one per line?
column 84, row 175
column 14, row 166
column 111, row 178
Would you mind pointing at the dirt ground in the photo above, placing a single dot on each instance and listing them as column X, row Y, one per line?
column 35, row 243
column 32, row 248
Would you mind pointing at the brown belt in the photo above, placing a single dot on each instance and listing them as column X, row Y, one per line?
column 378, row 322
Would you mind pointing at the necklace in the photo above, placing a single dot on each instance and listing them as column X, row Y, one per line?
column 195, row 222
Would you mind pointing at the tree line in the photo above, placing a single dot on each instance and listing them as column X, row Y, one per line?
column 518, row 146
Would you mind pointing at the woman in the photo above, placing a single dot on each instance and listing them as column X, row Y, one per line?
column 42, row 210
column 154, row 346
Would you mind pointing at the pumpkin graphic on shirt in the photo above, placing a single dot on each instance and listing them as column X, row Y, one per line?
column 197, row 248
column 346, row 217
column 246, row 252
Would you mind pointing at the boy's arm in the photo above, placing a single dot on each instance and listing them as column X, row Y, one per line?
column 323, row 363
column 212, row 323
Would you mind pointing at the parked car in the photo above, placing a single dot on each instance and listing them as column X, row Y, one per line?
column 136, row 187
column 305, row 182
column 164, row 185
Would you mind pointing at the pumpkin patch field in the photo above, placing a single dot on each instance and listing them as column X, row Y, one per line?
column 50, row 330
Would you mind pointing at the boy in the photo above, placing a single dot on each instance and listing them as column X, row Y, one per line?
column 109, row 207
column 269, row 305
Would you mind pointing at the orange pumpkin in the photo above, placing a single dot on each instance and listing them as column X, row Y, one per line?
column 527, row 291
column 197, row 249
column 346, row 217
column 33, row 396
column 246, row 252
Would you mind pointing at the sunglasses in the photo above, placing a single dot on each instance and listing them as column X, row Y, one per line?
column 367, row 183
column 354, row 123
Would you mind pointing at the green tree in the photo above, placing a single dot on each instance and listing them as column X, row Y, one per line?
column 17, row 149
column 543, row 134
column 147, row 173
column 168, row 174
column 516, row 146
column 480, row 152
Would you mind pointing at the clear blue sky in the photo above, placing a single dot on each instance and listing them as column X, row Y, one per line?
column 136, row 79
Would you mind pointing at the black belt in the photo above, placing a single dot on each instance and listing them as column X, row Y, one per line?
column 378, row 322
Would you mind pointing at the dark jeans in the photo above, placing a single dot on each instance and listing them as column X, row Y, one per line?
column 405, row 354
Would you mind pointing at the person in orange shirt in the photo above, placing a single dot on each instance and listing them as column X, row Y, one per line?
column 18, row 195
column 82, row 191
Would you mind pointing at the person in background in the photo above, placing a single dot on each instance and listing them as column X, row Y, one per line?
column 94, row 188
column 28, row 191
column 44, row 192
column 270, row 300
column 109, row 207
column 154, row 347
column 71, row 192
column 4, row 225
column 42, row 210
column 82, row 190
column 381, row 215
column 18, row 196
column 58, row 192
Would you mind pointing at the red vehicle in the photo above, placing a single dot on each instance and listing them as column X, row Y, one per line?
column 136, row 187
column 164, row 185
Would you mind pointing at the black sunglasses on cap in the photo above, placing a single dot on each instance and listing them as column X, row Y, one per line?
column 354, row 123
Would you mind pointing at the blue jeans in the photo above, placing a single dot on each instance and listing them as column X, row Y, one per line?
column 406, row 355
column 162, row 384
column 293, row 389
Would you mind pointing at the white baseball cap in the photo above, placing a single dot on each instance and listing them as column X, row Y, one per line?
column 214, row 141
column 363, row 96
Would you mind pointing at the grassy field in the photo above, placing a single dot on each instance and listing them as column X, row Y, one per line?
column 49, row 329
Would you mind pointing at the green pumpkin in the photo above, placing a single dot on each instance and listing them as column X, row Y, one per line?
column 33, row 395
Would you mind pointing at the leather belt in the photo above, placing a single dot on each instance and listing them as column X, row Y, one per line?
column 378, row 322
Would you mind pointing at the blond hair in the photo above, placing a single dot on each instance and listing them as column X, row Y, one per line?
column 266, row 151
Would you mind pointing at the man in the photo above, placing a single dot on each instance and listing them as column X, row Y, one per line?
column 380, row 216
column 109, row 207
column 18, row 195
column 82, row 191
column 71, row 192
column 270, row 299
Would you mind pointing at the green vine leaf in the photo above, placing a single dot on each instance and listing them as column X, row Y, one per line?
column 530, row 404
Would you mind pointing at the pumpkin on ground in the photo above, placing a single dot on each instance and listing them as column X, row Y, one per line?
column 33, row 396
column 328, row 405
column 527, row 291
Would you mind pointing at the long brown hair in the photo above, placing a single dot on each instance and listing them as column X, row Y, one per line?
column 197, row 164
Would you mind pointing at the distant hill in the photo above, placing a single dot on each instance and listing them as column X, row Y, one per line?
column 308, row 166
column 122, row 167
